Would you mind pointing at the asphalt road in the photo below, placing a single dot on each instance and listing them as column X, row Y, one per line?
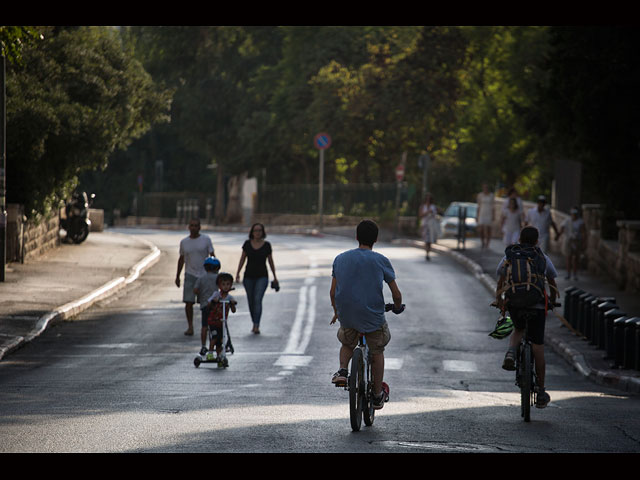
column 120, row 377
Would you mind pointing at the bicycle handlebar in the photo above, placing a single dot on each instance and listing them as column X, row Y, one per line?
column 391, row 307
column 552, row 305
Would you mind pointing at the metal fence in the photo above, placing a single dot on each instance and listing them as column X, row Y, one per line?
column 376, row 199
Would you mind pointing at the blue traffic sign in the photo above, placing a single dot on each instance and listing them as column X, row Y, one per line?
column 322, row 141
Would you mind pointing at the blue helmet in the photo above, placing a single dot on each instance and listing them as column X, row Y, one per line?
column 214, row 262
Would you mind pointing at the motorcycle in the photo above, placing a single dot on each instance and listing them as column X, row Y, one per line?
column 76, row 223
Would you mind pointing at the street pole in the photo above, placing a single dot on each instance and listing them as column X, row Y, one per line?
column 3, row 209
column 321, row 187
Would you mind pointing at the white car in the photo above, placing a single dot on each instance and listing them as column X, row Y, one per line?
column 450, row 219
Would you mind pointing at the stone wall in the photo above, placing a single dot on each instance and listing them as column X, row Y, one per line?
column 26, row 239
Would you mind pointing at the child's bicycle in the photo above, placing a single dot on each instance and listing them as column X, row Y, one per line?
column 211, row 357
column 360, row 384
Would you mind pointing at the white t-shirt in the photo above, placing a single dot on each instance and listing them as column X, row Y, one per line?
column 540, row 220
column 195, row 252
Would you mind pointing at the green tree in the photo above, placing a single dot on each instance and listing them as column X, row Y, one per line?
column 589, row 113
column 75, row 99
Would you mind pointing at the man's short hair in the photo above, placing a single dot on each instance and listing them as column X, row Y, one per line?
column 367, row 232
column 529, row 235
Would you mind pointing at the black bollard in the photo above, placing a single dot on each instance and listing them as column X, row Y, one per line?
column 573, row 314
column 593, row 312
column 584, row 323
column 618, row 341
column 600, row 327
column 567, row 301
column 609, row 340
column 630, row 344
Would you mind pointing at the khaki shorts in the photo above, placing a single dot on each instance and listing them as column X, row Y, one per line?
column 376, row 340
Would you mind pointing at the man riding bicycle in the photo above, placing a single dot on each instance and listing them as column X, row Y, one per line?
column 358, row 302
column 536, row 313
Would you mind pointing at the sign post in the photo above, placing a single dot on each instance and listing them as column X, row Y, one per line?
column 321, row 141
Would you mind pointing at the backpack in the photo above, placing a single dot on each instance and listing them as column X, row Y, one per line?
column 524, row 276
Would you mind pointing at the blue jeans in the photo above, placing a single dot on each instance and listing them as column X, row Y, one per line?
column 255, row 288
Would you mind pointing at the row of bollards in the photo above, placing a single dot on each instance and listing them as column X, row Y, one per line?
column 601, row 322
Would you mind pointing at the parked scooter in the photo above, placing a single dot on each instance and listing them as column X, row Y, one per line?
column 76, row 223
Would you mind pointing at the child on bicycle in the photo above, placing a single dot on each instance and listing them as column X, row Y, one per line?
column 214, row 321
column 537, row 312
column 358, row 303
column 203, row 288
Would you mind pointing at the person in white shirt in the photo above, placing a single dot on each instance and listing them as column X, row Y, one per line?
column 485, row 215
column 575, row 241
column 540, row 217
column 193, row 251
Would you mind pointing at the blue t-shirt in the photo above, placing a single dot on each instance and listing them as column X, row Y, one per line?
column 359, row 275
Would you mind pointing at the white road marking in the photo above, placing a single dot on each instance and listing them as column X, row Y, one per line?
column 393, row 363
column 459, row 366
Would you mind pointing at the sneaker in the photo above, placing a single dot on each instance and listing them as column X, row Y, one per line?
column 203, row 351
column 210, row 356
column 509, row 362
column 542, row 399
column 378, row 400
column 340, row 377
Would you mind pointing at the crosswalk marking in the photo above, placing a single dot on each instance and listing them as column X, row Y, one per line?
column 459, row 366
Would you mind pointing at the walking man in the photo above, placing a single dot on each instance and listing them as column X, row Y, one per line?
column 194, row 250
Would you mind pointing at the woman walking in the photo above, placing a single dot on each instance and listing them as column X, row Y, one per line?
column 429, row 223
column 256, row 251
column 511, row 222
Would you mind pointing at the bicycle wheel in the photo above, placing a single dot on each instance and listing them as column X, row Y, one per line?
column 526, row 374
column 356, row 389
column 368, row 410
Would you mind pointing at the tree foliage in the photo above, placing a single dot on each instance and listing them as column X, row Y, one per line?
column 74, row 99
column 488, row 104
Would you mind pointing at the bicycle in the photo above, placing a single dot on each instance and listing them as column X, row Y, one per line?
column 526, row 379
column 360, row 383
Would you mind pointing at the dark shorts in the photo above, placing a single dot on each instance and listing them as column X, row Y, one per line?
column 205, row 316
column 537, row 318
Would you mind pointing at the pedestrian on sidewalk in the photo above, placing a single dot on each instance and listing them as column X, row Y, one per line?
column 193, row 251
column 429, row 226
column 256, row 251
column 511, row 222
column 485, row 215
column 540, row 217
column 574, row 242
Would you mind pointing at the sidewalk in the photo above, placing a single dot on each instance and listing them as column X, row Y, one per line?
column 65, row 281
column 587, row 359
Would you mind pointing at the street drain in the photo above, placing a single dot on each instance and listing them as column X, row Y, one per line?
column 440, row 446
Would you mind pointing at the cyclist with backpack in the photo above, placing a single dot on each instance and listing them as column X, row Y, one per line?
column 521, row 278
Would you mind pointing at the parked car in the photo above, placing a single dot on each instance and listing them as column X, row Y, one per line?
column 450, row 218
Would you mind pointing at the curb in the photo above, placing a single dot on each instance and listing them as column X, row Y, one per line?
column 574, row 358
column 75, row 307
